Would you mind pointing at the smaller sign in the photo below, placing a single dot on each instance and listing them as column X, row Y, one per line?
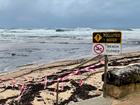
column 113, row 49
column 98, row 48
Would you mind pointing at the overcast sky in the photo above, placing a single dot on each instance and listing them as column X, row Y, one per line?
column 70, row 13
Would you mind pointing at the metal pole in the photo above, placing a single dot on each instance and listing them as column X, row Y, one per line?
column 105, row 76
column 57, row 92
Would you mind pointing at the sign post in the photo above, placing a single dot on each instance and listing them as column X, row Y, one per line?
column 107, row 43
column 57, row 92
column 105, row 75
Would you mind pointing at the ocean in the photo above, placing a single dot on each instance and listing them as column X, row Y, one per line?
column 20, row 47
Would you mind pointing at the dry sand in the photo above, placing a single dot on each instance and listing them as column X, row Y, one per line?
column 35, row 73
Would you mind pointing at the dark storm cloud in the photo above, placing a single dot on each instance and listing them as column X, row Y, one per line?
column 69, row 13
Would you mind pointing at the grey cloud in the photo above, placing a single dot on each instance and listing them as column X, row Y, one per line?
column 69, row 13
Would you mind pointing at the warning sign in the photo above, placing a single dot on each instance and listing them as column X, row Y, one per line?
column 107, row 37
column 107, row 43
column 98, row 37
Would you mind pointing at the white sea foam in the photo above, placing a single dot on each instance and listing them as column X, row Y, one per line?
column 22, row 46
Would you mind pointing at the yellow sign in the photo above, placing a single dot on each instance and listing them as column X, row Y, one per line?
column 107, row 37
column 98, row 37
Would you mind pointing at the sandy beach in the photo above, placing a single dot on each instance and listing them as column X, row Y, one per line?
column 76, row 52
column 77, row 82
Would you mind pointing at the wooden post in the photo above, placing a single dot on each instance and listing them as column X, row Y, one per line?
column 105, row 76
column 57, row 92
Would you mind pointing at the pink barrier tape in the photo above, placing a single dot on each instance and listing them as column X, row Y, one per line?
column 81, row 82
column 71, row 74
column 22, row 88
column 91, row 68
column 77, row 72
column 65, row 78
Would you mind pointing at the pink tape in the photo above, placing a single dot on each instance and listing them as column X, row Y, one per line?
column 22, row 89
column 64, row 78
column 88, row 69
column 76, row 72
column 91, row 68
column 81, row 82
column 71, row 74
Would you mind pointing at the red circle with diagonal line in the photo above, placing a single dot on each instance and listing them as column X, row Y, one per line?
column 98, row 48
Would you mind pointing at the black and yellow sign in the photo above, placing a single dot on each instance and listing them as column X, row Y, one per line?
column 107, row 37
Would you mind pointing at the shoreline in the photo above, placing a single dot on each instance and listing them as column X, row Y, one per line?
column 37, row 64
column 60, row 62
column 57, row 63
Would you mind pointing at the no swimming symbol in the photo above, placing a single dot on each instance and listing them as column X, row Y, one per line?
column 98, row 48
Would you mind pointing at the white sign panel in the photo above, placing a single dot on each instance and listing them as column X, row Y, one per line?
column 113, row 49
column 107, row 49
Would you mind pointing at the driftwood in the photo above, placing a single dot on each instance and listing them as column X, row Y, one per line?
column 123, row 76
